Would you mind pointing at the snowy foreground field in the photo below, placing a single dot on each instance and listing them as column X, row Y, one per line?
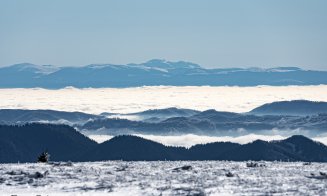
column 163, row 178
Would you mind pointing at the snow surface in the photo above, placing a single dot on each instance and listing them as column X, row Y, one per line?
column 129, row 100
column 163, row 178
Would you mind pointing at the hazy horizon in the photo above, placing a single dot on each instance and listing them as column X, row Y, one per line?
column 168, row 60
column 213, row 34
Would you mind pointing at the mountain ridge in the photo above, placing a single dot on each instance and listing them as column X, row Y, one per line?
column 24, row 143
column 151, row 73
column 184, row 121
column 294, row 107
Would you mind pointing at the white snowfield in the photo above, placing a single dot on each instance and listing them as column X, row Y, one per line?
column 164, row 178
column 128, row 100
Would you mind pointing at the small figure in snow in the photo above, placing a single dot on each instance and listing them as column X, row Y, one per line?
column 44, row 157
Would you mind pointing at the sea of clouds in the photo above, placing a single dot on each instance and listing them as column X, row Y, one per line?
column 127, row 100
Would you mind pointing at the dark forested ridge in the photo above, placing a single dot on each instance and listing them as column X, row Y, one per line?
column 13, row 116
column 23, row 143
column 295, row 107
column 133, row 148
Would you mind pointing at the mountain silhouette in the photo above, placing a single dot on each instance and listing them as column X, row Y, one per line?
column 133, row 148
column 295, row 148
column 155, row 115
column 211, row 122
column 24, row 143
column 307, row 117
column 295, row 107
column 14, row 116
column 153, row 72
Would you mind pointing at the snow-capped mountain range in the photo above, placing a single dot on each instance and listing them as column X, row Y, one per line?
column 153, row 72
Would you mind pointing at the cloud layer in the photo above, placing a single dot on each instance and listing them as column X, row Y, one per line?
column 189, row 140
column 126, row 100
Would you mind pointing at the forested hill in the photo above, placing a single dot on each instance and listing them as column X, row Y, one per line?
column 25, row 142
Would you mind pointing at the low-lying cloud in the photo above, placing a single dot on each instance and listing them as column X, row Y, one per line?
column 189, row 140
column 128, row 100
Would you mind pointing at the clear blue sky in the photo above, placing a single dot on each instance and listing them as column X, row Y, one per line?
column 213, row 33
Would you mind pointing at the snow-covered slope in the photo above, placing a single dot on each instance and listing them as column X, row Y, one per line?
column 164, row 178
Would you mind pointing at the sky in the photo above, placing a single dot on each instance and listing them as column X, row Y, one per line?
column 212, row 33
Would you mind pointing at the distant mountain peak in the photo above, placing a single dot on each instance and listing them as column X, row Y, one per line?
column 273, row 69
column 284, row 69
column 156, row 61
column 101, row 66
column 161, row 63
column 28, row 67
column 22, row 65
